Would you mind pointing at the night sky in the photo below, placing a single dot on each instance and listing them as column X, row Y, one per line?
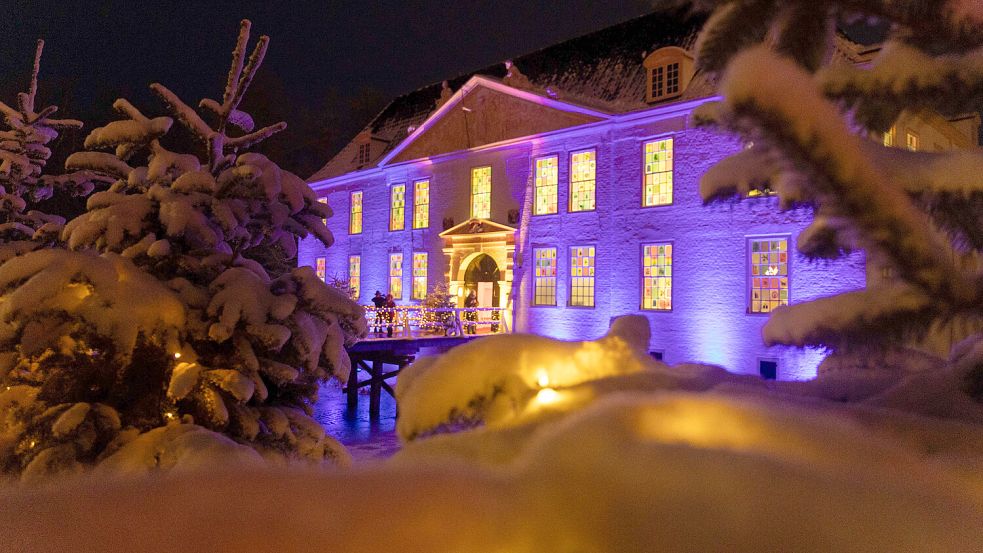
column 330, row 67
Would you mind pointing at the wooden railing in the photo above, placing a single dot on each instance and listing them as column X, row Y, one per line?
column 416, row 320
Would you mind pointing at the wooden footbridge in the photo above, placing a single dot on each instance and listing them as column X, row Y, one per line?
column 399, row 335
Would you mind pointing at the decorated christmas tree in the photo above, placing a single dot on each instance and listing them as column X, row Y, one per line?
column 437, row 315
column 156, row 320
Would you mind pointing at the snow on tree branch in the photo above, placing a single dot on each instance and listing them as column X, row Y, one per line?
column 904, row 77
column 917, row 214
column 807, row 127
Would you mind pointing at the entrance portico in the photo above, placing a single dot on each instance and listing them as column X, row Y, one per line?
column 481, row 253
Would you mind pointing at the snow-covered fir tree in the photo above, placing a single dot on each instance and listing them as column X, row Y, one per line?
column 816, row 132
column 23, row 156
column 156, row 318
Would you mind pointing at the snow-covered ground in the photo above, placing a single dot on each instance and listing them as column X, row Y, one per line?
column 588, row 446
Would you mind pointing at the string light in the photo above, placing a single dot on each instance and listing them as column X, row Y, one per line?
column 547, row 396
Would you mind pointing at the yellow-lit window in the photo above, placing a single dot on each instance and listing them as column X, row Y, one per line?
column 547, row 176
column 397, row 206
column 544, row 292
column 889, row 137
column 583, row 171
column 324, row 201
column 396, row 275
column 582, row 276
column 657, row 276
column 419, row 275
column 421, row 204
column 355, row 214
column 354, row 276
column 911, row 141
column 658, row 172
column 769, row 274
column 481, row 192
column 321, row 267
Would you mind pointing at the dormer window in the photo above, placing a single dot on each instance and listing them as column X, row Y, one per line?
column 363, row 153
column 665, row 80
column 669, row 71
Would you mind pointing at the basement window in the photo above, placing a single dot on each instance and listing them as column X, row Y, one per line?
column 768, row 369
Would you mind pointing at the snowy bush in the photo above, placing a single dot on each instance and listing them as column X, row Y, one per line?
column 915, row 213
column 222, row 344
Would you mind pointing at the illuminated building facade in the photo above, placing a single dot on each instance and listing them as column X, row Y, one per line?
column 570, row 194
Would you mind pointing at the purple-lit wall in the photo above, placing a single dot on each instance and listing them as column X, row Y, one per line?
column 708, row 322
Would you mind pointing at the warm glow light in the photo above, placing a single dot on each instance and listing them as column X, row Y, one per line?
column 177, row 354
column 170, row 415
column 547, row 396
column 542, row 378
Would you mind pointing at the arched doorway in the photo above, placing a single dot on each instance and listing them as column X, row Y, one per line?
column 482, row 277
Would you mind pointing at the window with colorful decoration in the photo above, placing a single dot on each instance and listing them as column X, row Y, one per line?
column 421, row 204
column 354, row 276
column 582, row 276
column 419, row 275
column 768, row 277
column 481, row 192
column 657, row 276
column 355, row 214
column 658, row 172
column 321, row 267
column 583, row 179
column 547, row 177
column 544, row 289
column 396, row 275
column 397, row 206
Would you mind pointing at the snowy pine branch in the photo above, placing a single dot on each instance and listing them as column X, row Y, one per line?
column 238, row 57
column 903, row 77
column 183, row 113
column 732, row 27
column 809, row 129
column 860, row 319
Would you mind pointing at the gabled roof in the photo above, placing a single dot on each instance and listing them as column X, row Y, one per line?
column 530, row 111
column 602, row 70
column 476, row 226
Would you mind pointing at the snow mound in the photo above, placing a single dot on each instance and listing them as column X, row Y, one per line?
column 492, row 379
column 680, row 472
column 178, row 448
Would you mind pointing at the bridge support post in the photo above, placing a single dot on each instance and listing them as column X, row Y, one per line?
column 375, row 390
column 351, row 389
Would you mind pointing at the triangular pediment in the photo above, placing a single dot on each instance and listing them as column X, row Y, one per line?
column 485, row 111
column 473, row 227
